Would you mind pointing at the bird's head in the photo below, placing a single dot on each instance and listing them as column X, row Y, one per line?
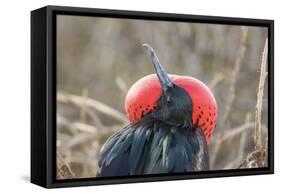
column 176, row 100
column 174, row 105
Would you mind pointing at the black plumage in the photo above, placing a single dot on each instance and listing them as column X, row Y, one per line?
column 153, row 147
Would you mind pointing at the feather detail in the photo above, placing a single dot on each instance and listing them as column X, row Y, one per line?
column 153, row 147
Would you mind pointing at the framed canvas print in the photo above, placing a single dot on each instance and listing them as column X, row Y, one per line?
column 126, row 96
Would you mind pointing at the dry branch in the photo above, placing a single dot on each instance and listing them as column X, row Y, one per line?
column 258, row 158
column 258, row 111
column 63, row 169
column 63, row 122
column 85, row 110
column 78, row 139
column 217, row 79
column 238, row 130
column 231, row 93
column 88, row 133
column 96, row 119
column 242, row 143
column 83, row 107
column 97, row 105
column 234, row 132
column 233, row 79
column 241, row 149
column 121, row 84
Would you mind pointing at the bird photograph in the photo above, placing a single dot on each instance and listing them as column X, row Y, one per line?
column 148, row 97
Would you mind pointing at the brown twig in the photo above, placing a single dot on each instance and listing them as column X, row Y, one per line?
column 87, row 133
column 83, row 105
column 217, row 79
column 231, row 93
column 241, row 148
column 258, row 110
column 121, row 85
column 233, row 79
column 258, row 158
column 238, row 130
column 78, row 139
column 255, row 159
column 63, row 169
column 96, row 119
column 63, row 122
column 97, row 105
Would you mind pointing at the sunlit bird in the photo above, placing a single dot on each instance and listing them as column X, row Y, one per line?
column 171, row 118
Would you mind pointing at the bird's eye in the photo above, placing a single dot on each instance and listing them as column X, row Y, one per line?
column 169, row 101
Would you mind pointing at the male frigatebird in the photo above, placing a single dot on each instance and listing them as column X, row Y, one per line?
column 171, row 118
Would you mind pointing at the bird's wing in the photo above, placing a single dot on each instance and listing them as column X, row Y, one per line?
column 174, row 150
column 122, row 154
column 171, row 151
column 201, row 158
column 153, row 148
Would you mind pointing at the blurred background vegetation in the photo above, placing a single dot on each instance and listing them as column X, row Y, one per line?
column 98, row 59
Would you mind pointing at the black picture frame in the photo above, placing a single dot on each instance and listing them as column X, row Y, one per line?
column 43, row 94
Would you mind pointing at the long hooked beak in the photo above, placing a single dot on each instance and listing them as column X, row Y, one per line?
column 163, row 77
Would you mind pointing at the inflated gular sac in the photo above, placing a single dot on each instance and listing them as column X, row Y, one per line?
column 172, row 118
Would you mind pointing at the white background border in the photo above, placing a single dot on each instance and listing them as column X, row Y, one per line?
column 15, row 95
